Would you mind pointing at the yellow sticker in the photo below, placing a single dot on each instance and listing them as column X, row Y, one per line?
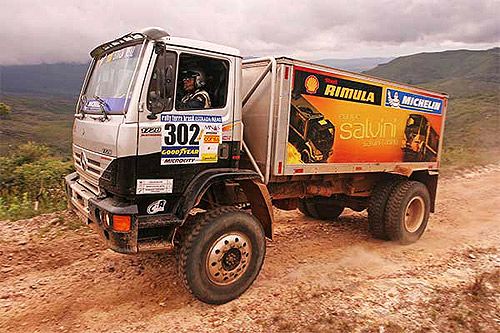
column 209, row 157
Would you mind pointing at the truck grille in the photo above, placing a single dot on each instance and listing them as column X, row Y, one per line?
column 90, row 167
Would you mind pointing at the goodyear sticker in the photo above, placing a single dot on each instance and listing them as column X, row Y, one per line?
column 408, row 101
column 190, row 139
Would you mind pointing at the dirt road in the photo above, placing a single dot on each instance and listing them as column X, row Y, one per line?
column 55, row 276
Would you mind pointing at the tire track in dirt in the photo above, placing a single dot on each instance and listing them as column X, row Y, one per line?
column 317, row 276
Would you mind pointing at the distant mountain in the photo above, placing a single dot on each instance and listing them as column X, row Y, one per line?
column 65, row 79
column 460, row 73
column 61, row 79
column 354, row 65
column 472, row 79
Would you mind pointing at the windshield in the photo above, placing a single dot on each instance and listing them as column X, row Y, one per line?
column 110, row 81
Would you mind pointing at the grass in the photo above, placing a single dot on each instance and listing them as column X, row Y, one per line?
column 45, row 120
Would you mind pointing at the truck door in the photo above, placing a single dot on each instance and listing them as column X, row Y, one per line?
column 187, row 137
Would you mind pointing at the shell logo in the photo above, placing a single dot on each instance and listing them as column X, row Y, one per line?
column 312, row 84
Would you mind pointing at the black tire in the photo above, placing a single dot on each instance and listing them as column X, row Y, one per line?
column 407, row 212
column 377, row 205
column 319, row 210
column 199, row 243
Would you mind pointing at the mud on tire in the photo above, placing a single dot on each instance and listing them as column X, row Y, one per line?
column 407, row 212
column 221, row 253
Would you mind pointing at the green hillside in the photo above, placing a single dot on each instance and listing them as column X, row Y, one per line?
column 46, row 120
column 62, row 79
column 423, row 68
column 472, row 79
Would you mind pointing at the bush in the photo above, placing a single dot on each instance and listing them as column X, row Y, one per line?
column 5, row 110
column 31, row 182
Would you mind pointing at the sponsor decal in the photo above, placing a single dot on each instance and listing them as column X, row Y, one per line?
column 154, row 186
column 112, row 104
column 311, row 84
column 118, row 54
column 129, row 52
column 351, row 120
column 414, row 102
column 209, row 156
column 334, row 87
column 179, row 151
column 227, row 130
column 190, row 139
column 107, row 151
column 151, row 131
column 156, row 206
column 94, row 105
column 211, row 138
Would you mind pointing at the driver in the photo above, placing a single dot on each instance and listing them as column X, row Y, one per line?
column 195, row 96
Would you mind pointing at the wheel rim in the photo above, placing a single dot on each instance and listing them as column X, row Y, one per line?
column 414, row 214
column 228, row 258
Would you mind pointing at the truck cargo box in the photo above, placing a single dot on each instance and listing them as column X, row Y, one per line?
column 305, row 118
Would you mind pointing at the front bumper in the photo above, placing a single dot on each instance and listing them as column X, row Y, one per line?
column 92, row 211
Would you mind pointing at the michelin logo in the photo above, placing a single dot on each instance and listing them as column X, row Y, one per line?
column 403, row 100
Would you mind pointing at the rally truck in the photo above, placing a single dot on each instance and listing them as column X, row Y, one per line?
column 156, row 173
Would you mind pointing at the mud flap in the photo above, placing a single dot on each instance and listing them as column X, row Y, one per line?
column 260, row 202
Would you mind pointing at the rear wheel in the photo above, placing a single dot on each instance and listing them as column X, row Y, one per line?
column 407, row 212
column 221, row 254
column 377, row 205
column 319, row 210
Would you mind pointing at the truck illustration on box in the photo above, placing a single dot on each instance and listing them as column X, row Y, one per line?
column 421, row 140
column 182, row 145
column 310, row 133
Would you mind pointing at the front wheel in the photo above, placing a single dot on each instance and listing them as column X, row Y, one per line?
column 221, row 254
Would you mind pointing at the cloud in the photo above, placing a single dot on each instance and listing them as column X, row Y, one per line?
column 66, row 30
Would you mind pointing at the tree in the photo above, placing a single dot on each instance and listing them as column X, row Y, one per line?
column 5, row 110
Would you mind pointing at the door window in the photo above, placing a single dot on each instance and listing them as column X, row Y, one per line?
column 161, row 87
column 202, row 82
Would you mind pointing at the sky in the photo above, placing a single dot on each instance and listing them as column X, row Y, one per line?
column 50, row 31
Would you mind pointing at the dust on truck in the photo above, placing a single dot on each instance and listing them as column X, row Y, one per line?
column 155, row 173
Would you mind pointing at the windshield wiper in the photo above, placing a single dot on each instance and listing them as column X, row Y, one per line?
column 103, row 105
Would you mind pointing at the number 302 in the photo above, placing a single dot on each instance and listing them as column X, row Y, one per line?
column 181, row 134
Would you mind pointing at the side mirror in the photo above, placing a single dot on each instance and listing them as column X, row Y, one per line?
column 156, row 94
column 162, row 85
